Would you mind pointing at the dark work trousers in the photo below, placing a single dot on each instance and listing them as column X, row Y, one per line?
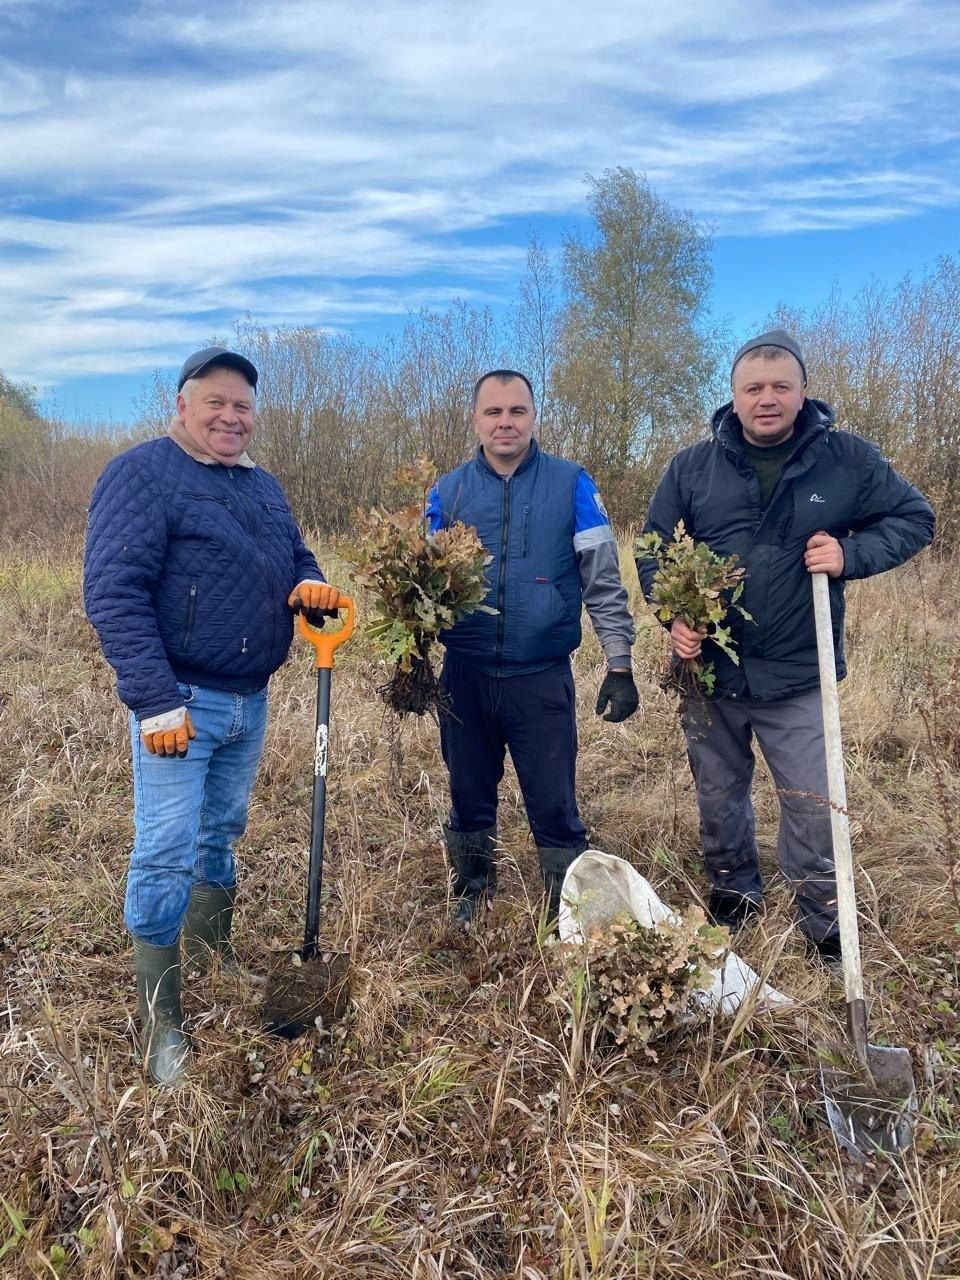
column 535, row 716
column 719, row 735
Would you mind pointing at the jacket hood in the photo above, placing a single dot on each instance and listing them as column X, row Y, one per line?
column 813, row 414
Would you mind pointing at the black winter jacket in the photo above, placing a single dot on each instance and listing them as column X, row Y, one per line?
column 186, row 575
column 834, row 481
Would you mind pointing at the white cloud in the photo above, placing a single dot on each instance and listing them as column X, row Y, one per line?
column 21, row 91
column 320, row 163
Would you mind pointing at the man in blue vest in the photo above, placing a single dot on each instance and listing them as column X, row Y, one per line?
column 507, row 675
column 780, row 487
column 194, row 565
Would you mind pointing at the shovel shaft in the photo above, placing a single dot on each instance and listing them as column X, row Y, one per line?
column 839, row 822
column 318, row 816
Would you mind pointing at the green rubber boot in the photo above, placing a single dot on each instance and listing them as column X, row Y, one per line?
column 474, row 869
column 207, row 925
column 166, row 1049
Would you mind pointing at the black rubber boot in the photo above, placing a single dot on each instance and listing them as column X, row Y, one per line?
column 732, row 910
column 207, row 925
column 472, row 856
column 166, row 1048
column 828, row 949
column 554, row 864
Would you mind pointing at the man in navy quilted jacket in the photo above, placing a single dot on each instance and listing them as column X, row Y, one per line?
column 193, row 567
column 507, row 674
column 780, row 487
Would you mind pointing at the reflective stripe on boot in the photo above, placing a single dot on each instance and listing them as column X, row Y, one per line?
column 207, row 925
column 165, row 1047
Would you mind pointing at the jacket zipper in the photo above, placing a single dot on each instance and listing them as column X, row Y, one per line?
column 762, row 515
column 244, row 508
column 502, row 580
column 758, row 523
column 191, row 614
column 248, row 518
column 526, row 530
column 740, row 465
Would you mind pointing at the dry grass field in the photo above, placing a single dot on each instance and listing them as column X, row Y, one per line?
column 454, row 1125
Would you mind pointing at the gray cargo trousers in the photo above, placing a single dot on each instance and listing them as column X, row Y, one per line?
column 719, row 734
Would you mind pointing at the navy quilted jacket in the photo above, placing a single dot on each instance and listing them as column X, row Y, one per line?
column 835, row 481
column 186, row 575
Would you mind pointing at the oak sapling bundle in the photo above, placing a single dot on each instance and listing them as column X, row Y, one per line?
column 700, row 588
column 636, row 983
column 421, row 583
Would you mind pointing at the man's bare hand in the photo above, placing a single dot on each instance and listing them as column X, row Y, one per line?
column 314, row 595
column 684, row 640
column 824, row 555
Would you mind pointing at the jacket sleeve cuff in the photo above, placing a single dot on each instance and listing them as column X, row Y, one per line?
column 618, row 660
column 849, row 549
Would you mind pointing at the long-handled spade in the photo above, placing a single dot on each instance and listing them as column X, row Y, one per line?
column 312, row 981
column 870, row 1100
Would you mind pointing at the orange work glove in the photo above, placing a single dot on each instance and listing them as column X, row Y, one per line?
column 168, row 734
column 314, row 595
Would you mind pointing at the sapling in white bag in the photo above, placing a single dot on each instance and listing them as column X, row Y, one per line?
column 600, row 888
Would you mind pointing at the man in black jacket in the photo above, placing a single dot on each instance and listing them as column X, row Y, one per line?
column 778, row 486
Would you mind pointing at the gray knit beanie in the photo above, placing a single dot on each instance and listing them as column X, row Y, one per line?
column 775, row 338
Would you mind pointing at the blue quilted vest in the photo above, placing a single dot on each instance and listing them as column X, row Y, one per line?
column 526, row 523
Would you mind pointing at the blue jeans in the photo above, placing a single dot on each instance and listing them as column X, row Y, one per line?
column 188, row 813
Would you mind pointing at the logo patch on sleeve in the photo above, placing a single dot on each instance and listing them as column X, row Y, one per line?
column 600, row 507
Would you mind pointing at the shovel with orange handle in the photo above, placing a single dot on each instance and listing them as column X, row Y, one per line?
column 313, row 981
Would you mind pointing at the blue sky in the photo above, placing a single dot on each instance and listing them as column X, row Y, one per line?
column 166, row 168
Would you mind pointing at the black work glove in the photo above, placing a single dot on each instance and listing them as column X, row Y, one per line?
column 316, row 617
column 619, row 693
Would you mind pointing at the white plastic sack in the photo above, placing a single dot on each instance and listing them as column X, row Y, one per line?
column 598, row 886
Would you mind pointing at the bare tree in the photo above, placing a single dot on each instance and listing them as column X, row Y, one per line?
column 538, row 331
column 636, row 357
column 315, row 430
column 889, row 364
column 428, row 375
